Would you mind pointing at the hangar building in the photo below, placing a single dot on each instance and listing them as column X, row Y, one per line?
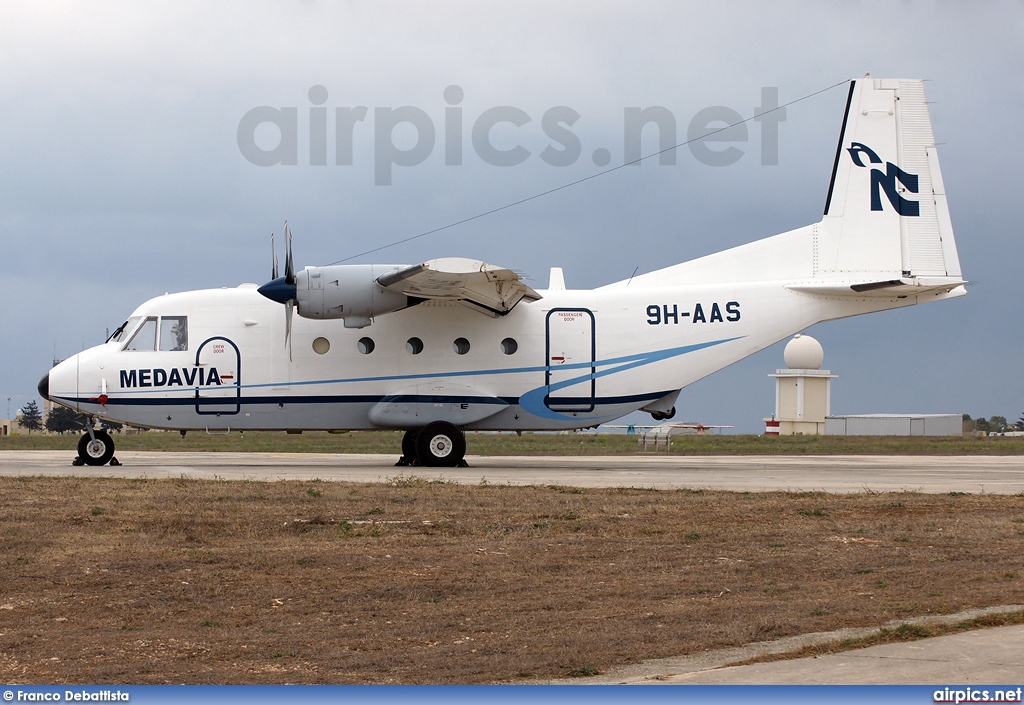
column 895, row 425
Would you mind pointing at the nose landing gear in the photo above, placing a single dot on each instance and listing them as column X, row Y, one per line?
column 95, row 448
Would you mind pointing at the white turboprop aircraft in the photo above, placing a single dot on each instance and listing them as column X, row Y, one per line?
column 454, row 344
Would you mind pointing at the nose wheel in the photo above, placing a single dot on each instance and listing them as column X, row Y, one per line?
column 95, row 448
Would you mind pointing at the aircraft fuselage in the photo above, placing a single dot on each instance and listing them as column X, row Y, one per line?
column 574, row 359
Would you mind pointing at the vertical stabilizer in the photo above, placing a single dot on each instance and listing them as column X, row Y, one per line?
column 886, row 225
column 886, row 214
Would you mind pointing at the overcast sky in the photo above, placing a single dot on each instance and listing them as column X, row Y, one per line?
column 121, row 174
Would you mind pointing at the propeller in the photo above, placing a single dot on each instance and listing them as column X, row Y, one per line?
column 273, row 258
column 282, row 289
column 289, row 267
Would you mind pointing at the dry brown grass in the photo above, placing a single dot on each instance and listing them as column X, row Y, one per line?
column 154, row 581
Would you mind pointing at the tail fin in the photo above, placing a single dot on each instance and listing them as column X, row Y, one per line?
column 886, row 226
column 886, row 215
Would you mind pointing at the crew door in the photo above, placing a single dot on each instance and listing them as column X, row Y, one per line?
column 569, row 368
column 218, row 383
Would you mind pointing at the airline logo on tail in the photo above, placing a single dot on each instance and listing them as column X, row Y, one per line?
column 886, row 181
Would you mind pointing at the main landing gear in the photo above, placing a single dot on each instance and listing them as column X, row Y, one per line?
column 436, row 445
column 95, row 448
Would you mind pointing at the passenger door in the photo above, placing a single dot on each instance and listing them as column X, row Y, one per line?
column 570, row 353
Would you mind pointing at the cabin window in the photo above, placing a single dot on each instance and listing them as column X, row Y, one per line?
column 174, row 333
column 321, row 346
column 365, row 345
column 414, row 346
column 145, row 338
column 461, row 346
column 509, row 346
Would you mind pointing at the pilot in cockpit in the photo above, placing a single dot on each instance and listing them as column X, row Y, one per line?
column 179, row 334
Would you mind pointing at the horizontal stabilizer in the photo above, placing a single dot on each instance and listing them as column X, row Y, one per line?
column 888, row 289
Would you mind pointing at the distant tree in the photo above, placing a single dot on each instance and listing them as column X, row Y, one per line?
column 62, row 420
column 994, row 424
column 108, row 425
column 31, row 418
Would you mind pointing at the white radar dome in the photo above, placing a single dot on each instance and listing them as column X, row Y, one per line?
column 803, row 353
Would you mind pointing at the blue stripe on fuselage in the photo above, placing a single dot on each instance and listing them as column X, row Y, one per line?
column 531, row 401
column 640, row 358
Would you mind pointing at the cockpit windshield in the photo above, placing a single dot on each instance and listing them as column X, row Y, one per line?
column 168, row 333
column 124, row 330
column 145, row 337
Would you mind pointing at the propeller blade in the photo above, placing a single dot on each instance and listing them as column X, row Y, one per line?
column 288, row 307
column 289, row 264
column 273, row 259
column 283, row 290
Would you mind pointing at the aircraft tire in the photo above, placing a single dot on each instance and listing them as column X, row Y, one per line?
column 96, row 452
column 440, row 445
column 409, row 454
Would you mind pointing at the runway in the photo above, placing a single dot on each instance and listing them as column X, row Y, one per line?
column 847, row 473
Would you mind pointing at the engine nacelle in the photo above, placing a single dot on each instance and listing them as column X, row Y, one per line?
column 347, row 291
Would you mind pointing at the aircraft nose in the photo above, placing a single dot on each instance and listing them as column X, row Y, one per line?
column 278, row 290
column 44, row 387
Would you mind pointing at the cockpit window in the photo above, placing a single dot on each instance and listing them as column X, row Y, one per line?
column 122, row 332
column 145, row 338
column 169, row 333
column 174, row 333
column 116, row 335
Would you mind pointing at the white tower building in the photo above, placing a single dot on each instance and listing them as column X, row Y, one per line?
column 803, row 393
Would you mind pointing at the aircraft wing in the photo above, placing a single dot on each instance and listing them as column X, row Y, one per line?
column 695, row 425
column 480, row 286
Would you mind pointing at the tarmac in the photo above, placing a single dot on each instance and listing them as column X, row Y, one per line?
column 845, row 473
column 984, row 656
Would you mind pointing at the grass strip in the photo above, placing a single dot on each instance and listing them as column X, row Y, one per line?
column 489, row 444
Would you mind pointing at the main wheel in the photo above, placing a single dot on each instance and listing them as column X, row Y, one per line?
column 440, row 445
column 98, row 451
column 409, row 447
